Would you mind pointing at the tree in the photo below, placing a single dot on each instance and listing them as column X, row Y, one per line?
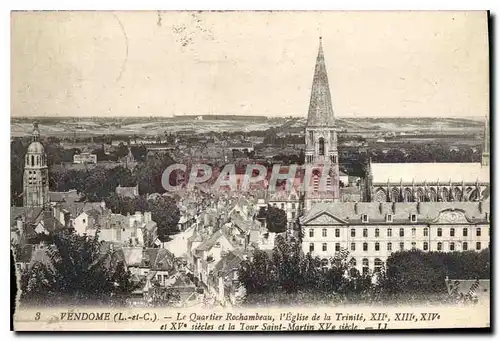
column 121, row 150
column 75, row 271
column 258, row 276
column 276, row 220
column 166, row 214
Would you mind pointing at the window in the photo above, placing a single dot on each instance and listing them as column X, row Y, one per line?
column 365, row 246
column 337, row 233
column 365, row 232
column 353, row 246
column 389, row 232
column 364, row 218
column 321, row 146
column 401, row 232
column 378, row 264
column 426, row 246
column 282, row 206
column 478, row 245
column 402, row 246
column 377, row 246
column 388, row 218
column 311, row 247
column 389, row 246
column 365, row 266
column 83, row 220
column 413, row 245
column 337, row 247
column 353, row 233
column 440, row 232
column 452, row 232
column 413, row 218
column 353, row 262
column 426, row 232
column 377, row 232
column 465, row 231
column 311, row 233
column 452, row 246
column 413, row 232
column 293, row 206
column 324, row 247
column 465, row 246
column 323, row 232
column 440, row 246
column 293, row 215
column 478, row 232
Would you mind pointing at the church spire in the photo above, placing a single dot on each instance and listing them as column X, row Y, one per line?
column 320, row 105
column 485, row 156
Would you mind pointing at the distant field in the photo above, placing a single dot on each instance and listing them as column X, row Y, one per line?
column 153, row 126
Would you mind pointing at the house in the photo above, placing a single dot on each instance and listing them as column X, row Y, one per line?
column 130, row 192
column 85, row 158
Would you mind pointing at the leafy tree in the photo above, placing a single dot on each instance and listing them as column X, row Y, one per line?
column 276, row 220
column 76, row 271
column 121, row 150
column 258, row 275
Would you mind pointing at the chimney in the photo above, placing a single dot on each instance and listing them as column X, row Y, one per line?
column 356, row 208
column 380, row 208
column 221, row 288
column 418, row 207
column 67, row 218
column 394, row 207
column 147, row 217
column 481, row 206
column 20, row 226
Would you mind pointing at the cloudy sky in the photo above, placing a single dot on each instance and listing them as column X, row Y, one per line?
column 163, row 63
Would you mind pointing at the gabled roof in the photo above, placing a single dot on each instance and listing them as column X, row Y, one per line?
column 76, row 208
column 349, row 213
column 464, row 285
column 32, row 214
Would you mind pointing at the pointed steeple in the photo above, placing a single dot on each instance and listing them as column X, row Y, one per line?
column 485, row 156
column 320, row 106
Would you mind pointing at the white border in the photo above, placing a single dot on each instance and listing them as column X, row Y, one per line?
column 184, row 5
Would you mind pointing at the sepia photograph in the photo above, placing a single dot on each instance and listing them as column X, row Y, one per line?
column 250, row 171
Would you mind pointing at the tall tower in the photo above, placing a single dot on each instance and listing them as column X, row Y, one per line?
column 36, row 179
column 485, row 156
column 321, row 137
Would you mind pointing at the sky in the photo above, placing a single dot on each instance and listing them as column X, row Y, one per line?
column 380, row 64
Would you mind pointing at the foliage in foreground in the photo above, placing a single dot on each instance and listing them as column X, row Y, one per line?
column 290, row 277
column 73, row 269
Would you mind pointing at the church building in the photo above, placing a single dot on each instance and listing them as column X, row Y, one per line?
column 441, row 207
column 36, row 179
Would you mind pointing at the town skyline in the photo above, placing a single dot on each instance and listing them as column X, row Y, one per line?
column 439, row 70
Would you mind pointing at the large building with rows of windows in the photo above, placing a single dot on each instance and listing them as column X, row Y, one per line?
column 372, row 231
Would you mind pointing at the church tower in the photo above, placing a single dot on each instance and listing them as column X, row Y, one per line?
column 485, row 156
column 36, row 180
column 321, row 138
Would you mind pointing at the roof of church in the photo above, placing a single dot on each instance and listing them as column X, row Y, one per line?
column 320, row 106
column 429, row 172
column 35, row 148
